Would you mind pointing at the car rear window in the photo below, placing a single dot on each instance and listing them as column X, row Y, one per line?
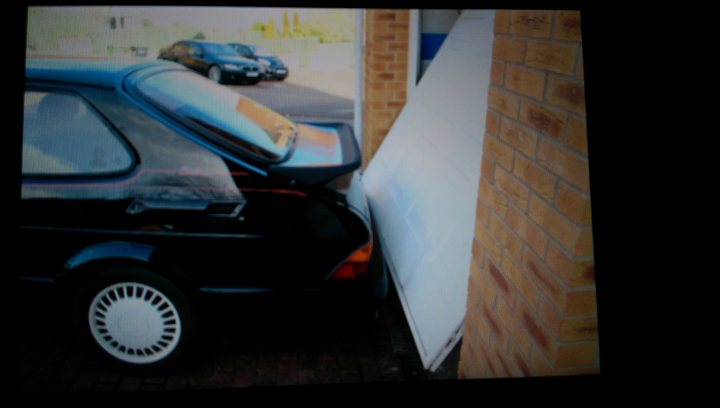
column 224, row 116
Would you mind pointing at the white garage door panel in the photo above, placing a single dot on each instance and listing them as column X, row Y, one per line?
column 422, row 186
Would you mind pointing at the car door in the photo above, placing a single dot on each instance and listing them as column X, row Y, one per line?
column 73, row 163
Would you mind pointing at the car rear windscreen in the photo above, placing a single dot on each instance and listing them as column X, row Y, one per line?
column 225, row 116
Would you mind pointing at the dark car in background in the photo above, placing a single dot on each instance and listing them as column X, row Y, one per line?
column 147, row 189
column 273, row 67
column 219, row 62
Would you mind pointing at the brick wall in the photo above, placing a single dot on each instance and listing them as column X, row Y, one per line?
column 385, row 68
column 531, row 307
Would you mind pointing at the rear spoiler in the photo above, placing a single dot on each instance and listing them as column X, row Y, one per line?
column 320, row 175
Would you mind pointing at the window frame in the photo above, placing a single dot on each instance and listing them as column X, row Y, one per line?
column 72, row 91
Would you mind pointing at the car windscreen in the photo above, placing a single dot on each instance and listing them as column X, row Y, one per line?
column 219, row 49
column 226, row 117
column 263, row 52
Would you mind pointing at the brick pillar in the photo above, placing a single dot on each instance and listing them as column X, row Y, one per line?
column 531, row 307
column 385, row 78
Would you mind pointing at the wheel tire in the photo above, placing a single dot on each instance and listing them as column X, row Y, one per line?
column 136, row 319
column 215, row 74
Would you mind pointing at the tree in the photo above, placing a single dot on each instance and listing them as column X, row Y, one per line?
column 296, row 24
column 286, row 26
column 270, row 30
column 199, row 36
column 258, row 27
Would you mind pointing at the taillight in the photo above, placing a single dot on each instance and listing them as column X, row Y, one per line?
column 356, row 266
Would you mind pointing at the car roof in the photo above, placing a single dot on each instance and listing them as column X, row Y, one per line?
column 98, row 72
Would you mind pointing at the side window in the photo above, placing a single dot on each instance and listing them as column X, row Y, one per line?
column 63, row 136
column 244, row 51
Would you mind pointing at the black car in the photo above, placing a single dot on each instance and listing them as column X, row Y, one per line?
column 219, row 62
column 147, row 188
column 273, row 67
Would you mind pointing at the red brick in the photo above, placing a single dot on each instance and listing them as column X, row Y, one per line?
column 573, row 204
column 388, row 76
column 495, row 201
column 513, row 189
column 581, row 303
column 565, row 164
column 504, row 364
column 492, row 121
column 526, row 230
column 568, row 329
column 521, row 341
column 528, row 82
column 480, row 280
column 492, row 248
column 584, row 245
column 544, row 119
column 481, row 213
column 499, row 279
column 573, row 355
column 567, row 26
column 573, row 272
column 382, row 38
column 487, row 169
column 566, row 94
column 518, row 136
column 385, row 57
column 505, row 237
column 521, row 365
column 529, row 322
column 577, row 134
column 525, row 287
column 503, row 102
column 399, row 26
column 495, row 327
column 385, row 16
column 552, row 222
column 580, row 66
column 502, row 22
column 398, row 46
column 395, row 86
column 540, row 366
column 538, row 179
column 509, row 49
column 477, row 251
column 531, row 23
column 497, row 73
column 552, row 57
column 498, row 152
column 545, row 279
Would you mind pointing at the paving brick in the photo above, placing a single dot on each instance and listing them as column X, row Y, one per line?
column 104, row 387
column 86, row 379
column 176, row 383
column 129, row 383
column 40, row 377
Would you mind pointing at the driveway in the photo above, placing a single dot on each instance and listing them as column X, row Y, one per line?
column 299, row 102
column 243, row 345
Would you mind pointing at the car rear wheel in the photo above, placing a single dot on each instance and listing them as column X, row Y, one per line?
column 135, row 318
column 215, row 74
